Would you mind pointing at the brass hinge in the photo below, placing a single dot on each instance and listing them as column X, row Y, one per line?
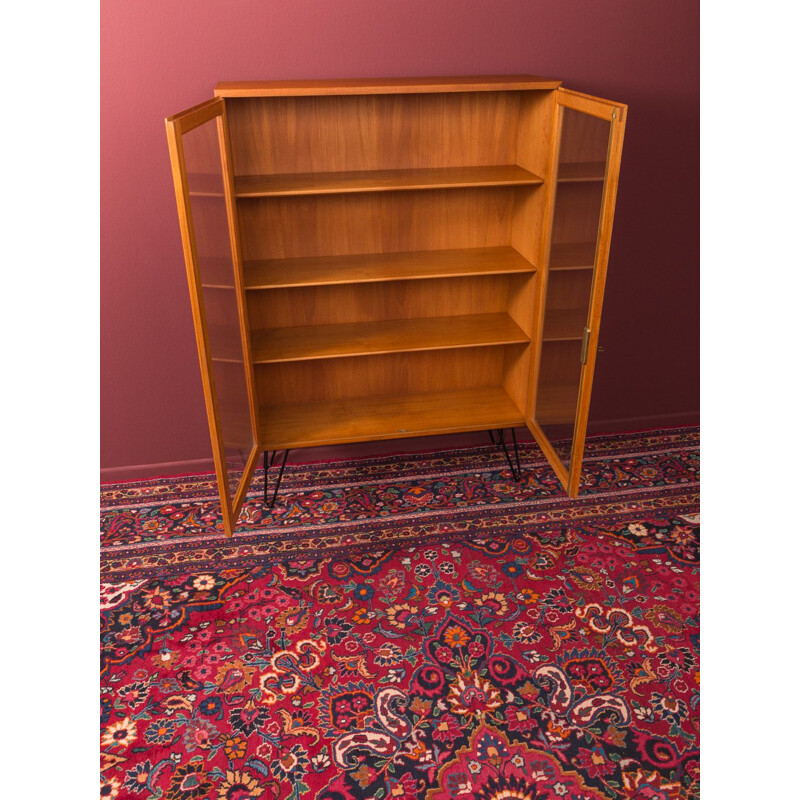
column 585, row 345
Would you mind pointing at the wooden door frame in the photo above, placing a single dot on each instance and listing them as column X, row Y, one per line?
column 177, row 126
column 615, row 114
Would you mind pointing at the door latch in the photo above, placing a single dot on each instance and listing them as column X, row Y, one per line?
column 585, row 345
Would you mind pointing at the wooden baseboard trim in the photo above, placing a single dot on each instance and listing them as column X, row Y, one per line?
column 163, row 469
column 173, row 469
column 641, row 424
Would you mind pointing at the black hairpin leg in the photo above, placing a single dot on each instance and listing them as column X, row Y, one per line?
column 501, row 441
column 267, row 465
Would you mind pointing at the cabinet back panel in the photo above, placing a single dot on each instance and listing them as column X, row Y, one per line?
column 378, row 222
column 367, row 302
column 394, row 373
column 330, row 134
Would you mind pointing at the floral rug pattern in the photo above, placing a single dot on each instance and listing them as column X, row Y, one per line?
column 534, row 651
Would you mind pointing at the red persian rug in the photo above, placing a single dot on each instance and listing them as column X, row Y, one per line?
column 416, row 626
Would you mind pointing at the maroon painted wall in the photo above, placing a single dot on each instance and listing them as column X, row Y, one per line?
column 161, row 57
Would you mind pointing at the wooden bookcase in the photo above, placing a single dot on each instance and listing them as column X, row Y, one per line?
column 378, row 259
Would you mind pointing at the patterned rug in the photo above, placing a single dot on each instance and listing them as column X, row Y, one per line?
column 412, row 626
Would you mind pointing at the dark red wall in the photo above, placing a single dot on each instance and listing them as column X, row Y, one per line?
column 160, row 57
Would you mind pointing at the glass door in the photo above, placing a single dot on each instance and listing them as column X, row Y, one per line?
column 588, row 136
column 200, row 155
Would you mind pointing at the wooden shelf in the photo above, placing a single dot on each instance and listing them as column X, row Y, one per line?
column 378, row 267
column 572, row 255
column 564, row 324
column 386, row 417
column 556, row 404
column 385, row 336
column 581, row 171
column 383, row 180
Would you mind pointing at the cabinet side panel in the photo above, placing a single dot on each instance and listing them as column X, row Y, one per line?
column 533, row 152
column 530, row 224
column 515, row 373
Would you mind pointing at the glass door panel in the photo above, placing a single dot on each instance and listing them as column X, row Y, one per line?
column 217, row 301
column 584, row 193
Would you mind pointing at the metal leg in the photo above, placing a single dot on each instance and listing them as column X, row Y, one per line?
column 267, row 465
column 501, row 441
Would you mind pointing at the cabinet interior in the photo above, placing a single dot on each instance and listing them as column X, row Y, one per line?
column 391, row 247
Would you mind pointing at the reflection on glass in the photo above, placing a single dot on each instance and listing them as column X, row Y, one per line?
column 215, row 265
column 578, row 202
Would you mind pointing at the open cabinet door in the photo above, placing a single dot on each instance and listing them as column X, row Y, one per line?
column 201, row 169
column 588, row 146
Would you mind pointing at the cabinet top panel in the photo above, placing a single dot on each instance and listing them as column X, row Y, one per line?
column 469, row 83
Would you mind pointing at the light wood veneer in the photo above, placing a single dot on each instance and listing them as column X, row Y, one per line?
column 386, row 258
